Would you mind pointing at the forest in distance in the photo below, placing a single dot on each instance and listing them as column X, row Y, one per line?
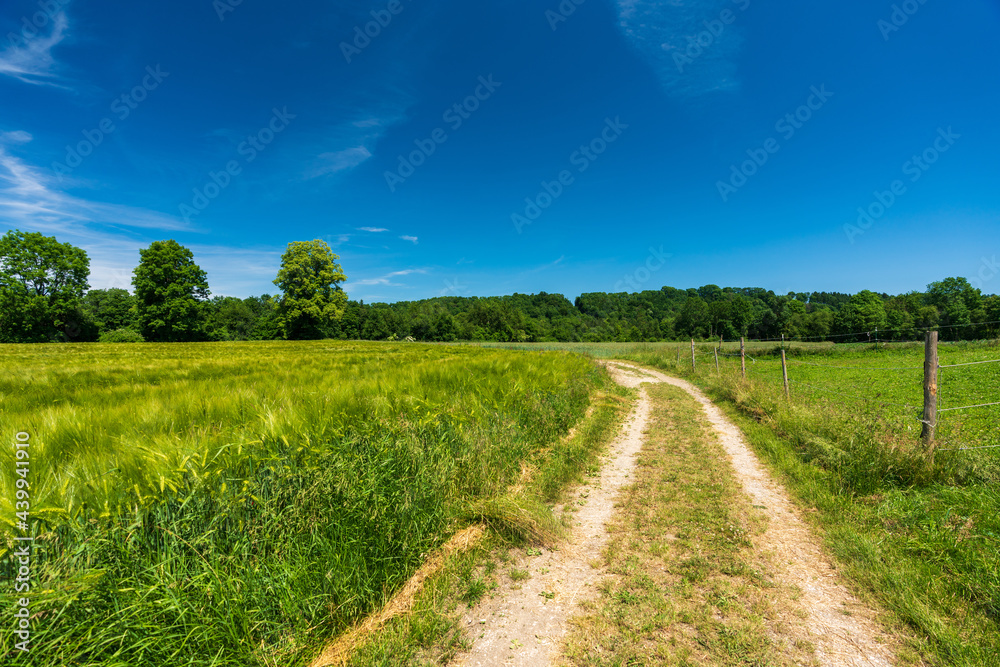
column 45, row 297
column 708, row 312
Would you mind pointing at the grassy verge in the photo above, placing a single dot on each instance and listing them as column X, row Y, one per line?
column 927, row 554
column 431, row 634
column 686, row 585
column 916, row 539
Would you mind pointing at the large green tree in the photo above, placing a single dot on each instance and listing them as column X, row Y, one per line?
column 959, row 303
column 41, row 284
column 170, row 291
column 312, row 299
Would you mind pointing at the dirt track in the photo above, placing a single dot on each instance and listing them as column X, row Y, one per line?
column 526, row 626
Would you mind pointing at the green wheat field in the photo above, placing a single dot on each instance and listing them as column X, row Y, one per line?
column 239, row 504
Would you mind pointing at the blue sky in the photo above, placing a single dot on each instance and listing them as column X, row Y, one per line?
column 600, row 146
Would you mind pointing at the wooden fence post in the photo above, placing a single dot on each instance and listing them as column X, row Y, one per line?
column 784, row 374
column 743, row 357
column 930, row 389
column 716, row 360
column 692, row 355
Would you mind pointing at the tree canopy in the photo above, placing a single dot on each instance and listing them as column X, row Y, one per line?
column 169, row 293
column 41, row 284
column 312, row 299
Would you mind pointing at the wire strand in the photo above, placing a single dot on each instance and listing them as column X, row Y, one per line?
column 972, row 363
column 861, row 368
column 968, row 407
column 965, row 449
column 792, row 339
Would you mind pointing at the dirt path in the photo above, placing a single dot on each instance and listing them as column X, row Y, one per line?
column 525, row 626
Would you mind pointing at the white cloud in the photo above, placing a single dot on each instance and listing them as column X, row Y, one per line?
column 373, row 229
column 29, row 58
column 662, row 33
column 411, row 239
column 331, row 163
column 15, row 137
column 387, row 278
column 231, row 271
column 239, row 272
column 360, row 135
column 544, row 267
column 30, row 200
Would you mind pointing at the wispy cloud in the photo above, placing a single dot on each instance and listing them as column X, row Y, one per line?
column 412, row 239
column 29, row 199
column 376, row 100
column 331, row 163
column 231, row 271
column 373, row 229
column 354, row 140
column 667, row 34
column 387, row 278
column 112, row 234
column 544, row 267
column 29, row 58
column 15, row 137
column 238, row 271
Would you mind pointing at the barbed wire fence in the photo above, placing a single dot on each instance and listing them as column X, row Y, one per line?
column 929, row 413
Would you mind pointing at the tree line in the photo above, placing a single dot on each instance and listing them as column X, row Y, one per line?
column 44, row 297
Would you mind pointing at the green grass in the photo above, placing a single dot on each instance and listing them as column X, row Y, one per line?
column 916, row 536
column 239, row 504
